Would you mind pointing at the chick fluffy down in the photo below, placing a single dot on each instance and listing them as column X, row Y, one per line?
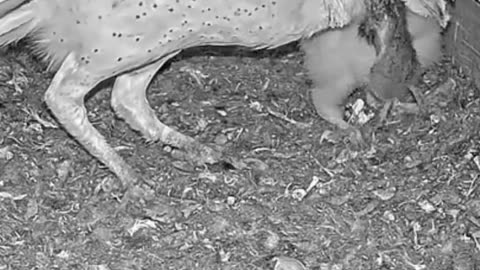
column 338, row 60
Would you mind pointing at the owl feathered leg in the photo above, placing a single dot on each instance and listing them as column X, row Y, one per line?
column 130, row 102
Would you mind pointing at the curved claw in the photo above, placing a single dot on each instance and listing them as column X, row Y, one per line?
column 356, row 137
column 135, row 193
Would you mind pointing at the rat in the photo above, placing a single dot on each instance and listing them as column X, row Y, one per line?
column 396, row 68
column 396, row 65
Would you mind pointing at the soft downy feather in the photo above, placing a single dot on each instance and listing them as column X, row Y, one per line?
column 338, row 61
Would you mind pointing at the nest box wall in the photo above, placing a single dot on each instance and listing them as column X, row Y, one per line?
column 463, row 37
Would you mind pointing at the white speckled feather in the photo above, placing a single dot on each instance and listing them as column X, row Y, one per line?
column 140, row 31
column 89, row 41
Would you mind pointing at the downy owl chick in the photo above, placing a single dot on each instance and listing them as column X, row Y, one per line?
column 340, row 60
